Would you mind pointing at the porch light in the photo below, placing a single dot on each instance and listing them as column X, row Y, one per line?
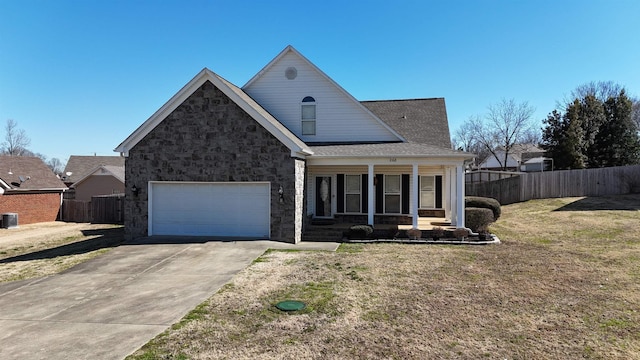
column 135, row 190
column 281, row 194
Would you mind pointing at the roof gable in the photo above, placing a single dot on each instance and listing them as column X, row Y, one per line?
column 27, row 173
column 238, row 96
column 422, row 121
column 80, row 166
column 115, row 171
column 282, row 84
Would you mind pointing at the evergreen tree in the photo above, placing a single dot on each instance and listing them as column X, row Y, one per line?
column 593, row 132
column 617, row 142
column 563, row 138
column 592, row 115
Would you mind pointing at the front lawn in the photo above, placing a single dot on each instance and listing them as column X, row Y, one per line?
column 564, row 284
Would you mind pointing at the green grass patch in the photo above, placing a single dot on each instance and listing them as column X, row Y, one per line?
column 350, row 248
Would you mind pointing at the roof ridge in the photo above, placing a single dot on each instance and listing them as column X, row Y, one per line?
column 413, row 99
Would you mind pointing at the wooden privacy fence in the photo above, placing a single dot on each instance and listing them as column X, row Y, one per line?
column 107, row 209
column 76, row 210
column 562, row 183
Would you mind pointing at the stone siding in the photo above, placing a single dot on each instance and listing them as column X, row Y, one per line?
column 209, row 138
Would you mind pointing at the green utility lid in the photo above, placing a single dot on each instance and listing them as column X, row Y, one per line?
column 290, row 305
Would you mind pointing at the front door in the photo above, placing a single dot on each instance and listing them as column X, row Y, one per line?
column 323, row 196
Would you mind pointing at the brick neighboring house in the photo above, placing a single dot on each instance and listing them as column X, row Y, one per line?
column 30, row 189
column 291, row 145
column 88, row 176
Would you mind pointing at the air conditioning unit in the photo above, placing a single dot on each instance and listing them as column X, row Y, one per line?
column 9, row 220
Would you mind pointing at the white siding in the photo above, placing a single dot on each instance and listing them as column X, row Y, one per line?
column 338, row 117
column 492, row 162
column 313, row 171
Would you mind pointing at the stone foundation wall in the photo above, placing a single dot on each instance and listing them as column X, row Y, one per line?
column 209, row 138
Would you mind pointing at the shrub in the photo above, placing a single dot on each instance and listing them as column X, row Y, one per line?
column 437, row 232
column 414, row 233
column 460, row 233
column 360, row 231
column 484, row 203
column 478, row 219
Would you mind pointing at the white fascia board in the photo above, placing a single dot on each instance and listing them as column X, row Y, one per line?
column 390, row 160
column 162, row 113
column 286, row 137
column 92, row 172
column 265, row 119
column 331, row 81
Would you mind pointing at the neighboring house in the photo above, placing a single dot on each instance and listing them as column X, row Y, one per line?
column 104, row 180
column 291, row 145
column 537, row 164
column 30, row 189
column 518, row 155
column 89, row 176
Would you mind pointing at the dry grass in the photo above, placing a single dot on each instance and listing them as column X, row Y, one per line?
column 562, row 285
column 45, row 249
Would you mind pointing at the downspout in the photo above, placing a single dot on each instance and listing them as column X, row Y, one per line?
column 61, row 204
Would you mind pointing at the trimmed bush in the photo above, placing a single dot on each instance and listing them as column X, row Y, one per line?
column 437, row 233
column 478, row 219
column 360, row 231
column 484, row 203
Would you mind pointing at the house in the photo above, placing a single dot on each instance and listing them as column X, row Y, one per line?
column 89, row 176
column 518, row 155
column 103, row 180
column 290, row 146
column 30, row 189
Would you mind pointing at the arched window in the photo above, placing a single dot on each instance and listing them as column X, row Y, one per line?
column 308, row 110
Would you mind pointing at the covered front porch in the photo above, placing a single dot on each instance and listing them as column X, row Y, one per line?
column 417, row 194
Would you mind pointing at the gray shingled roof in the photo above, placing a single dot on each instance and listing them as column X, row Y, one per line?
column 421, row 121
column 386, row 150
column 81, row 166
column 35, row 173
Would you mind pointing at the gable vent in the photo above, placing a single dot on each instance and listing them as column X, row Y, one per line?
column 291, row 73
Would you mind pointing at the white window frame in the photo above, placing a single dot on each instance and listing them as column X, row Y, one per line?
column 433, row 192
column 399, row 194
column 309, row 121
column 347, row 192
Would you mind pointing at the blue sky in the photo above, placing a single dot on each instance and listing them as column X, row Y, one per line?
column 80, row 76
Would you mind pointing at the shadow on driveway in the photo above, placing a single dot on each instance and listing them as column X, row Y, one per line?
column 105, row 238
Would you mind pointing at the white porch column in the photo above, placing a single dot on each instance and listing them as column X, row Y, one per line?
column 460, row 196
column 447, row 193
column 453, row 198
column 414, row 196
column 371, row 190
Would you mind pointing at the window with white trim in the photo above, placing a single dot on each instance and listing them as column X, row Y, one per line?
column 308, row 110
column 428, row 191
column 352, row 193
column 392, row 194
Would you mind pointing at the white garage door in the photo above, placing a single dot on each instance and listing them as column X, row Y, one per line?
column 210, row 209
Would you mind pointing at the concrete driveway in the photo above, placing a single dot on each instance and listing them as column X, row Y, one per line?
column 108, row 307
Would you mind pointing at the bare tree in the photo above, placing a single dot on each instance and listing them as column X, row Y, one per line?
column 465, row 139
column 635, row 113
column 15, row 140
column 601, row 90
column 505, row 125
column 56, row 165
column 532, row 136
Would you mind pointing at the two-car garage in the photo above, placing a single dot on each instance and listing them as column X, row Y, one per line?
column 220, row 209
